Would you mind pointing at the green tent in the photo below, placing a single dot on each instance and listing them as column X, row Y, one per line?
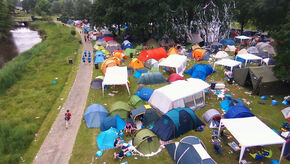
column 136, row 101
column 140, row 47
column 269, row 84
column 121, row 108
column 146, row 142
column 128, row 51
column 152, row 44
column 151, row 78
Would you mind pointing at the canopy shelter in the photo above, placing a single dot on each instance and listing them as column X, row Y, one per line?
column 116, row 76
column 249, row 57
column 242, row 37
column 228, row 63
column 175, row 61
column 181, row 93
column 250, row 132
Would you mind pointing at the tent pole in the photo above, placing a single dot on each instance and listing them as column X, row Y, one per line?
column 103, row 90
column 282, row 151
column 242, row 153
column 219, row 132
column 128, row 88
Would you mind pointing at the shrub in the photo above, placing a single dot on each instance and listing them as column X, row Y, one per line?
column 73, row 32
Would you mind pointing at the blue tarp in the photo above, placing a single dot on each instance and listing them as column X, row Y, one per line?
column 99, row 57
column 113, row 121
column 227, row 42
column 106, row 139
column 229, row 103
column 139, row 73
column 239, row 112
column 94, row 115
column 200, row 71
column 144, row 93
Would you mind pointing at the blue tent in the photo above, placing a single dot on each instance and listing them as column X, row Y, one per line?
column 229, row 103
column 106, row 139
column 139, row 73
column 144, row 93
column 228, row 42
column 175, row 123
column 200, row 71
column 126, row 44
column 239, row 112
column 94, row 115
column 113, row 121
column 99, row 57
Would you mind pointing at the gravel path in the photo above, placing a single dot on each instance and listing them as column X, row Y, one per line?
column 58, row 144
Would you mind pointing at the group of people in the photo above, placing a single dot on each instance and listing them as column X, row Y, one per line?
column 124, row 149
column 88, row 56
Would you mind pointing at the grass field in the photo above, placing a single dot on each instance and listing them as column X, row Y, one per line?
column 30, row 102
column 86, row 147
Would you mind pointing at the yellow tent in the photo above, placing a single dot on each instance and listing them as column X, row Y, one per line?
column 136, row 63
column 172, row 51
column 110, row 62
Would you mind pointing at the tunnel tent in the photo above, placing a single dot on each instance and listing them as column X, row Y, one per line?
column 238, row 112
column 94, row 115
column 157, row 54
column 139, row 73
column 151, row 78
column 150, row 117
column 120, row 108
column 212, row 117
column 151, row 63
column 146, row 142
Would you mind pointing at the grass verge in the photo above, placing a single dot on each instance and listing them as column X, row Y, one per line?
column 32, row 101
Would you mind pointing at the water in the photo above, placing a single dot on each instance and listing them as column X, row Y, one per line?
column 24, row 38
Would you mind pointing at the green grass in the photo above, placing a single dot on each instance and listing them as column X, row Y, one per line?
column 85, row 146
column 31, row 100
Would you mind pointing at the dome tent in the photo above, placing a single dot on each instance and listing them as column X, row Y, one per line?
column 144, row 93
column 95, row 115
column 151, row 63
column 120, row 108
column 129, row 51
column 99, row 57
column 146, row 142
column 110, row 62
column 150, row 117
column 200, row 71
column 113, row 121
column 174, row 77
column 97, row 83
column 136, row 63
column 136, row 101
column 238, row 112
column 106, row 139
column 113, row 46
column 212, row 118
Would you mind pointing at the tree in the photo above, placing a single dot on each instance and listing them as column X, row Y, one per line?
column 5, row 19
column 68, row 8
column 243, row 12
column 55, row 7
column 42, row 7
column 82, row 9
column 28, row 5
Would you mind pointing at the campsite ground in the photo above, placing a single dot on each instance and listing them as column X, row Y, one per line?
column 86, row 147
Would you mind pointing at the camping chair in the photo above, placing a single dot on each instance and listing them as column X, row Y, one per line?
column 256, row 156
column 267, row 153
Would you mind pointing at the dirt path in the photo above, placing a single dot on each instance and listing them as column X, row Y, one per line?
column 58, row 144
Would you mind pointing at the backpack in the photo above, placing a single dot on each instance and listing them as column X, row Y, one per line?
column 67, row 117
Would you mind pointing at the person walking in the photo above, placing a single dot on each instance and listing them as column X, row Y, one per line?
column 67, row 117
column 84, row 59
column 85, row 53
column 89, row 59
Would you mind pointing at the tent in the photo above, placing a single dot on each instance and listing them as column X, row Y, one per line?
column 242, row 37
column 129, row 51
column 156, row 54
column 144, row 93
column 196, row 46
column 212, row 117
column 151, row 78
column 107, row 39
column 113, row 46
column 106, row 52
column 181, row 93
column 253, row 50
column 228, row 63
column 97, row 83
column 99, row 57
column 100, row 42
column 119, row 54
column 200, row 71
column 95, row 115
column 150, row 117
column 152, row 43
column 243, row 51
column 151, row 63
column 245, row 58
column 98, row 47
column 197, row 54
column 251, row 132
column 229, row 103
column 238, row 112
column 221, row 54
column 136, row 63
column 173, row 51
column 286, row 152
column 175, row 123
column 226, row 42
column 230, row 48
column 116, row 76
column 110, row 62
column 174, row 77
column 146, row 142
column 175, row 61
column 136, row 101
column 139, row 73
column 216, row 46
column 120, row 108
column 113, row 122
column 106, row 139
column 286, row 113
column 262, row 47
column 127, row 44
column 190, row 149
column 249, row 77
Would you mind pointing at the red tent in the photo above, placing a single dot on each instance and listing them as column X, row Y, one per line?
column 156, row 54
column 107, row 39
column 174, row 77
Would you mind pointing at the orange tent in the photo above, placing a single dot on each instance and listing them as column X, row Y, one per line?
column 156, row 54
column 198, row 53
column 119, row 54
column 136, row 63
column 172, row 51
column 110, row 62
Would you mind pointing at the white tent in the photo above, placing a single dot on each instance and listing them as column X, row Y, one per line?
column 230, row 48
column 250, row 132
column 228, row 62
column 262, row 47
column 116, row 76
column 180, row 93
column 175, row 61
column 243, row 37
column 249, row 57
column 286, row 112
column 221, row 54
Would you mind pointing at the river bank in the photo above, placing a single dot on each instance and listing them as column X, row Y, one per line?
column 27, row 94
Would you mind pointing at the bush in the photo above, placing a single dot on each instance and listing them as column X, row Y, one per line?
column 73, row 32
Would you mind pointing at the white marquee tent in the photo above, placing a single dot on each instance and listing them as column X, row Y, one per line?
column 228, row 62
column 250, row 132
column 116, row 76
column 175, row 61
column 181, row 93
column 249, row 57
